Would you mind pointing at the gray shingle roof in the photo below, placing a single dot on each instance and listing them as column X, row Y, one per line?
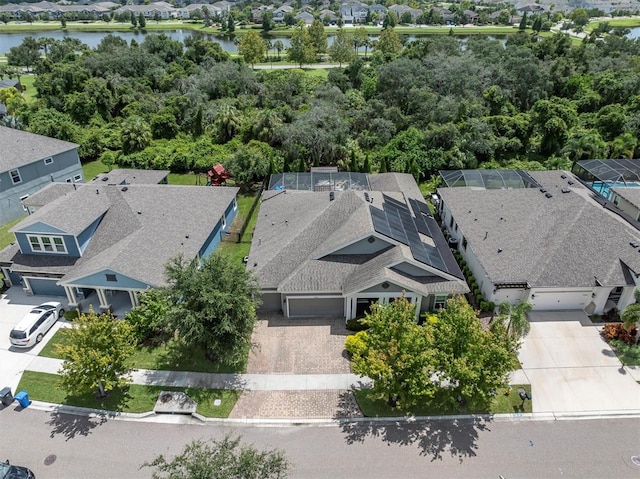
column 400, row 182
column 299, row 234
column 49, row 193
column 131, row 177
column 24, row 263
column 632, row 195
column 147, row 225
column 565, row 241
column 21, row 148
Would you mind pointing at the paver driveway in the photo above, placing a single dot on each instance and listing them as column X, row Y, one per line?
column 297, row 346
column 571, row 368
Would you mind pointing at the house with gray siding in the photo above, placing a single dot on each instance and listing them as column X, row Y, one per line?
column 335, row 245
column 104, row 243
column 28, row 163
column 546, row 241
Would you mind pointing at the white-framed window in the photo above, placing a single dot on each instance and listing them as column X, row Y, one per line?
column 440, row 301
column 22, row 198
column 47, row 244
column 48, row 161
column 224, row 222
column 77, row 178
column 15, row 177
column 235, row 204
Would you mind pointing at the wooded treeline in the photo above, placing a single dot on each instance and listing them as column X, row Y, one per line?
column 436, row 103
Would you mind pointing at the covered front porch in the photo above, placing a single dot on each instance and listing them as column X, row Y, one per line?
column 118, row 302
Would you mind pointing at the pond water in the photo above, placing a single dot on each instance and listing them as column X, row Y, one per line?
column 93, row 39
column 634, row 33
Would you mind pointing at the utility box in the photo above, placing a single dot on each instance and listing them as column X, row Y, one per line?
column 23, row 399
column 6, row 397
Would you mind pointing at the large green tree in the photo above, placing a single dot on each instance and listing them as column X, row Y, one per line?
column 340, row 50
column 301, row 50
column 226, row 458
column 251, row 47
column 318, row 37
column 215, row 305
column 96, row 353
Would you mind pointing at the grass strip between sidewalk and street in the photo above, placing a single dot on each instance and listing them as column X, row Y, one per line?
column 137, row 399
column 503, row 403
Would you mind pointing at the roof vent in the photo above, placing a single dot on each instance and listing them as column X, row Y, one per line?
column 97, row 192
column 139, row 212
column 366, row 196
column 570, row 182
column 633, row 244
column 548, row 195
column 543, row 190
column 499, row 250
column 332, row 196
column 566, row 190
column 564, row 177
column 124, row 188
column 105, row 178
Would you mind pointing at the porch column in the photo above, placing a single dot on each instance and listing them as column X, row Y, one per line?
column 418, row 303
column 71, row 296
column 133, row 297
column 26, row 286
column 104, row 305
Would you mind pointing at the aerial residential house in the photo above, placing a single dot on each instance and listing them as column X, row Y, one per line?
column 353, row 12
column 162, row 9
column 541, row 237
column 333, row 244
column 28, row 163
column 446, row 14
column 187, row 11
column 306, row 17
column 102, row 243
column 400, row 10
column 328, row 16
column 11, row 83
column 279, row 13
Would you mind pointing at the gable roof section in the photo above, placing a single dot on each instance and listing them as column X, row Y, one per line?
column 19, row 148
column 147, row 225
column 521, row 235
column 49, row 193
column 131, row 177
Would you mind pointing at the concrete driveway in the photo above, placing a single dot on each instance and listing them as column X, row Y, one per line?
column 14, row 304
column 572, row 369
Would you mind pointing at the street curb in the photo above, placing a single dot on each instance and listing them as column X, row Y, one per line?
column 195, row 418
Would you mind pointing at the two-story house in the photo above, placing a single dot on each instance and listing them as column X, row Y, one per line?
column 353, row 12
column 103, row 243
column 29, row 162
column 280, row 12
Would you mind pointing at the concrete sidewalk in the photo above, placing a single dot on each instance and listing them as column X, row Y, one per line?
column 249, row 382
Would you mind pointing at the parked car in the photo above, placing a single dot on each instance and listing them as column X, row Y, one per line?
column 32, row 328
column 7, row 471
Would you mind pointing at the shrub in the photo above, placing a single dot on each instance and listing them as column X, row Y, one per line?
column 356, row 325
column 611, row 315
column 479, row 298
column 483, row 306
column 71, row 315
column 354, row 344
column 616, row 331
column 491, row 306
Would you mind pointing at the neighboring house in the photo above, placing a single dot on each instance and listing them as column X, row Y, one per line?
column 400, row 10
column 28, row 162
column 133, row 177
column 446, row 14
column 163, row 9
column 55, row 11
column 341, row 242
column 186, row 11
column 110, row 242
column 354, row 12
column 279, row 13
column 540, row 237
column 535, row 9
column 11, row 83
column 471, row 16
column 306, row 17
column 328, row 15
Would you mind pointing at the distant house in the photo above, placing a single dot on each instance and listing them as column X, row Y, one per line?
column 306, row 17
column 535, row 9
column 103, row 243
column 28, row 163
column 187, row 11
column 279, row 13
column 11, row 83
column 333, row 244
column 400, row 10
column 163, row 9
column 353, row 12
column 446, row 14
column 328, row 15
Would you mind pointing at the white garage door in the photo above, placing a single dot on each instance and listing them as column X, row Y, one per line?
column 310, row 307
column 554, row 301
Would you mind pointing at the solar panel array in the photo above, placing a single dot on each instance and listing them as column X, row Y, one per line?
column 395, row 221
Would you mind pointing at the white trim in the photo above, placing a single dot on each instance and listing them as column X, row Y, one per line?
column 22, row 198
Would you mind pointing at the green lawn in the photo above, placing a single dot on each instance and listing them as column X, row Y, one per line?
column 172, row 356
column 239, row 250
column 28, row 84
column 6, row 238
column 137, row 399
column 92, row 168
column 629, row 354
column 502, row 404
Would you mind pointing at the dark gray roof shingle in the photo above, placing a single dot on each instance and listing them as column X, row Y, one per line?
column 21, row 148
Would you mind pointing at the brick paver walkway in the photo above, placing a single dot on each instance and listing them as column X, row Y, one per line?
column 298, row 346
column 296, row 404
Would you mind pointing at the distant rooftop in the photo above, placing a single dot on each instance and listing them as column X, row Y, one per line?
column 316, row 181
column 131, row 177
column 489, row 179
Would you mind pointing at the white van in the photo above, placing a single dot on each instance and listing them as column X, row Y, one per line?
column 32, row 328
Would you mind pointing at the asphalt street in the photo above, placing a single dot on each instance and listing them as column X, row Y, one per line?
column 68, row 447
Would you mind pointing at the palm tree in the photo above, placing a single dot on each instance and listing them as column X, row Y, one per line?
column 516, row 316
column 279, row 46
column 631, row 317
